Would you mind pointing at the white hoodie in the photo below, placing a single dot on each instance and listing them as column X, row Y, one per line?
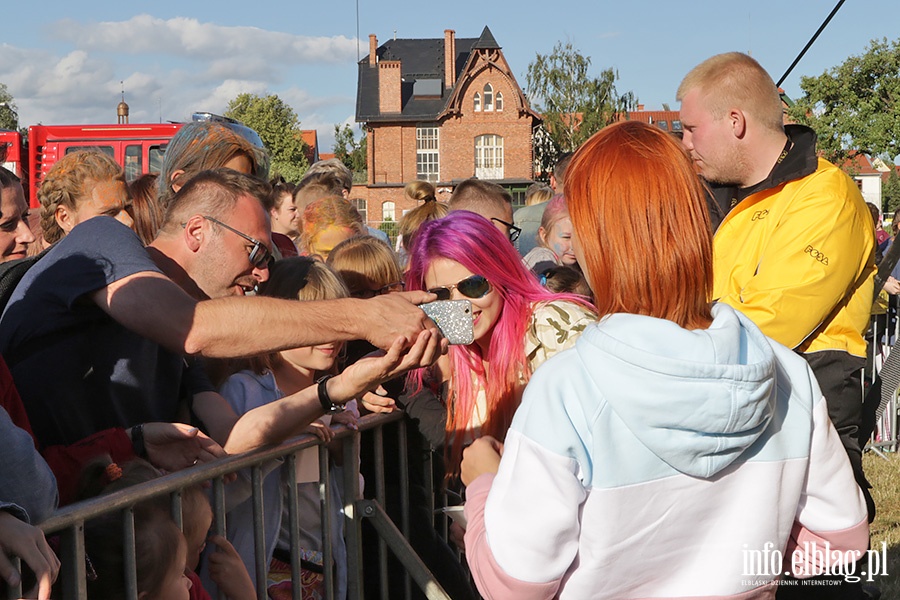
column 652, row 461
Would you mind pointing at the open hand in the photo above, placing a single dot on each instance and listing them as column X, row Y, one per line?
column 176, row 446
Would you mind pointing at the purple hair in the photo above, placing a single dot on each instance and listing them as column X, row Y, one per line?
column 474, row 242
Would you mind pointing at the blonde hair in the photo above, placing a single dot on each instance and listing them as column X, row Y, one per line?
column 298, row 278
column 734, row 79
column 65, row 185
column 431, row 210
column 364, row 263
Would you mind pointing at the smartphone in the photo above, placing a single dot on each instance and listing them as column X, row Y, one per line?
column 453, row 318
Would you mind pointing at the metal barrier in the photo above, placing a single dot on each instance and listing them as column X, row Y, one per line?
column 69, row 521
column 883, row 333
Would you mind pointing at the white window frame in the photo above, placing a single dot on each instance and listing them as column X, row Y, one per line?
column 428, row 156
column 489, row 156
column 477, row 102
column 498, row 103
column 488, row 97
column 388, row 211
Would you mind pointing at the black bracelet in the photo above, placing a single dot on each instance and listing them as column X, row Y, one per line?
column 324, row 399
column 137, row 441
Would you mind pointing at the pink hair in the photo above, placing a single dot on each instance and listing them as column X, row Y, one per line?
column 475, row 243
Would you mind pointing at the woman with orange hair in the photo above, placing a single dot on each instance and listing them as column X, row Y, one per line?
column 674, row 445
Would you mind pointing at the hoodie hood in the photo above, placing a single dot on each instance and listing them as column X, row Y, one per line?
column 696, row 399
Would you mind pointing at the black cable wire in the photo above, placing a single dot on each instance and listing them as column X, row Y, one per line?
column 809, row 43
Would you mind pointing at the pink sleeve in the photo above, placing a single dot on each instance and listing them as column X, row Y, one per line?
column 491, row 580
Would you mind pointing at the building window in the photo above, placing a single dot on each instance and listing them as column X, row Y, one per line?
column 488, row 97
column 427, row 156
column 499, row 103
column 664, row 125
column 387, row 211
column 489, row 156
column 676, row 125
column 477, row 102
column 360, row 205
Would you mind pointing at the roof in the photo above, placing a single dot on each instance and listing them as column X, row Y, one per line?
column 311, row 139
column 422, row 62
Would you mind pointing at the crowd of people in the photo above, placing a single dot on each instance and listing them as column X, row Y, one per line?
column 663, row 379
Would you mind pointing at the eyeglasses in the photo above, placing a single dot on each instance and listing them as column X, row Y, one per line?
column 473, row 287
column 260, row 257
column 364, row 294
column 513, row 230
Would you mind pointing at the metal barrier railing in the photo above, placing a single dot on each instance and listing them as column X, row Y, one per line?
column 69, row 521
column 883, row 333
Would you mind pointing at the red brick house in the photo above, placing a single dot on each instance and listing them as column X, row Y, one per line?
column 441, row 110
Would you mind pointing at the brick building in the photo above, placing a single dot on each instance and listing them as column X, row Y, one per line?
column 442, row 110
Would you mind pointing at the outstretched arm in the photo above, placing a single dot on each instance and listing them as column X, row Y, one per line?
column 154, row 306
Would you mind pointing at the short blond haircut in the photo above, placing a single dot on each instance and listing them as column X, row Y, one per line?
column 325, row 212
column 735, row 80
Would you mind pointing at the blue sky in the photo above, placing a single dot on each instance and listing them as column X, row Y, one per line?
column 63, row 61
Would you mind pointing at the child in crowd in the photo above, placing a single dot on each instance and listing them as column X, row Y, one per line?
column 554, row 239
column 326, row 223
column 562, row 279
column 290, row 372
column 166, row 557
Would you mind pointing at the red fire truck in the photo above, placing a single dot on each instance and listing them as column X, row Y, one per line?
column 139, row 148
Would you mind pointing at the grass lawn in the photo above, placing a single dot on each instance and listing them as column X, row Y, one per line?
column 884, row 476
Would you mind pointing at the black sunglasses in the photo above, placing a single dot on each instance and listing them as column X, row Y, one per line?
column 513, row 230
column 365, row 293
column 473, row 287
column 260, row 257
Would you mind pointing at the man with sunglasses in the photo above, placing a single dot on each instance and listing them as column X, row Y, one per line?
column 101, row 332
column 490, row 201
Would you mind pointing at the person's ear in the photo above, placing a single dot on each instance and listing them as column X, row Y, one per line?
column 194, row 232
column 175, row 176
column 542, row 235
column 64, row 218
column 738, row 122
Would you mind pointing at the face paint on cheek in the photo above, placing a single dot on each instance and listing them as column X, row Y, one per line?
column 558, row 249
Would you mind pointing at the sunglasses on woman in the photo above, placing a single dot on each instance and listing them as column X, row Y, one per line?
column 473, row 287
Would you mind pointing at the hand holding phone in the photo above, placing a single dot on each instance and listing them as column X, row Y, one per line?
column 453, row 318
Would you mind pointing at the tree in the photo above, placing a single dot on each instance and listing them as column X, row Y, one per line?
column 574, row 104
column 856, row 105
column 9, row 117
column 890, row 192
column 278, row 127
column 349, row 151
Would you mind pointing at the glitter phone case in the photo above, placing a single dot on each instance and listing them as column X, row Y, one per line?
column 453, row 318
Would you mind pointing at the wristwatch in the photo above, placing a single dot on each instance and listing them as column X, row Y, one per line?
column 324, row 399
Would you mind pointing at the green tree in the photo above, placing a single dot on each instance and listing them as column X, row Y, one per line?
column 350, row 151
column 574, row 104
column 278, row 127
column 890, row 192
column 9, row 118
column 856, row 105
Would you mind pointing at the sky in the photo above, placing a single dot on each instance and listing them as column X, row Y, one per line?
column 63, row 61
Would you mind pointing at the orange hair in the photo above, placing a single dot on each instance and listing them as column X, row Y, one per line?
column 639, row 214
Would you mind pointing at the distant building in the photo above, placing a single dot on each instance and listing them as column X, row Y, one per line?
column 667, row 120
column 311, row 139
column 441, row 110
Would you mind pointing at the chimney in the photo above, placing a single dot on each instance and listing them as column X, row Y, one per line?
column 449, row 58
column 640, row 107
column 373, row 49
column 389, row 86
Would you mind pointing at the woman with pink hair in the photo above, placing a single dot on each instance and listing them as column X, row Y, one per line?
column 518, row 325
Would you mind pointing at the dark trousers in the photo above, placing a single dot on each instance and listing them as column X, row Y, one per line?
column 840, row 378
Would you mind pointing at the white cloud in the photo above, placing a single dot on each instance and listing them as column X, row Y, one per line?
column 189, row 38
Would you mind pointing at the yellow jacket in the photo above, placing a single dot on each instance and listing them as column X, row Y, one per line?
column 799, row 260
